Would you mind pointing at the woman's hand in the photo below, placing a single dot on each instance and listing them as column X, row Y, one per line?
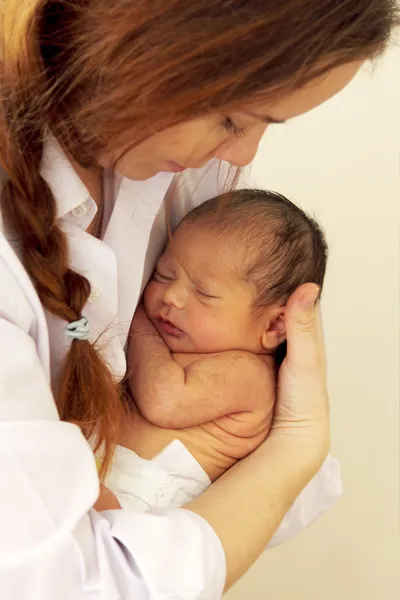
column 302, row 412
column 249, row 501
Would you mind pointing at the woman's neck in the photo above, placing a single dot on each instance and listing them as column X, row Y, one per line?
column 91, row 178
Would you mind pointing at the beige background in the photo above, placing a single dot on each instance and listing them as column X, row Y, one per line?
column 342, row 161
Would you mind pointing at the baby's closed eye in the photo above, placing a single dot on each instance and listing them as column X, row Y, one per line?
column 205, row 294
column 162, row 277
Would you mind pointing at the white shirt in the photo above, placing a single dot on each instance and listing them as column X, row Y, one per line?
column 52, row 543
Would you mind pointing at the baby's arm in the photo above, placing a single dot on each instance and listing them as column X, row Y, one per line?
column 173, row 396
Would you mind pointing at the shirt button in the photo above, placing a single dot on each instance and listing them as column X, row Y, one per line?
column 94, row 296
column 80, row 211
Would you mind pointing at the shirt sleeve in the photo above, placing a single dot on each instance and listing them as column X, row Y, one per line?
column 52, row 543
column 321, row 493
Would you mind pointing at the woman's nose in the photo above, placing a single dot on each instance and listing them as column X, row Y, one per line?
column 241, row 152
column 175, row 295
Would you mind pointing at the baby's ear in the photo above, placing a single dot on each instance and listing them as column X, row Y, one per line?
column 274, row 332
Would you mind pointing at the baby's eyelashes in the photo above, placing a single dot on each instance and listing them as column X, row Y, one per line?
column 204, row 294
column 162, row 278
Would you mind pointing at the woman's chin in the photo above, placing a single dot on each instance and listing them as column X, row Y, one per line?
column 137, row 174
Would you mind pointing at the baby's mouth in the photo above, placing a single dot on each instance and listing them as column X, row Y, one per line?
column 169, row 328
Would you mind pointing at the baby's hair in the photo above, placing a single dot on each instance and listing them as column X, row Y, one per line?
column 281, row 246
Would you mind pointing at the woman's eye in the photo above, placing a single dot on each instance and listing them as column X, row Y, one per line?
column 232, row 128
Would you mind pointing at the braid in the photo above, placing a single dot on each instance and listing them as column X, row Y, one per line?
column 87, row 394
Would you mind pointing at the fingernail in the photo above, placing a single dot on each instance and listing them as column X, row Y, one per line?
column 309, row 297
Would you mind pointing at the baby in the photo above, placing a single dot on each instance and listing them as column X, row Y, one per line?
column 203, row 345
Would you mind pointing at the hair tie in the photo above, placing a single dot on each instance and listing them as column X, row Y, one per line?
column 78, row 330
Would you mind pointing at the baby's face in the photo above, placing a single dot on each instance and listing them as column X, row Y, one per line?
column 196, row 299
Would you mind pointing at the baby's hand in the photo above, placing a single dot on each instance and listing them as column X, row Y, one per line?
column 140, row 317
column 141, row 322
column 106, row 500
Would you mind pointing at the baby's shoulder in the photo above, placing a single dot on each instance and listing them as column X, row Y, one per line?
column 231, row 360
column 263, row 360
column 248, row 362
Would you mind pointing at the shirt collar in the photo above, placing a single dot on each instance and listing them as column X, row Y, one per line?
column 65, row 184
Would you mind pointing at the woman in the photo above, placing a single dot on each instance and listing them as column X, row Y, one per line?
column 101, row 103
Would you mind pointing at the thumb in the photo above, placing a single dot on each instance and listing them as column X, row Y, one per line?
column 302, row 325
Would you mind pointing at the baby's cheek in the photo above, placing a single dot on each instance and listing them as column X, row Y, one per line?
column 210, row 334
column 150, row 296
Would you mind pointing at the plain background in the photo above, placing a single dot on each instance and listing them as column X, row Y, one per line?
column 342, row 162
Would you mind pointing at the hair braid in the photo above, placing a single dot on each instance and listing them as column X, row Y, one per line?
column 87, row 394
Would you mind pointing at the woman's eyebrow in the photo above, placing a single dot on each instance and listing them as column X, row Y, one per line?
column 266, row 118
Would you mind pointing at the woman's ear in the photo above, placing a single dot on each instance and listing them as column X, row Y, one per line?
column 274, row 332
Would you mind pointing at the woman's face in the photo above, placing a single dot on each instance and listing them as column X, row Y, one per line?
column 230, row 137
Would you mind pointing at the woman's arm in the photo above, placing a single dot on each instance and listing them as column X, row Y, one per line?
column 246, row 505
column 255, row 494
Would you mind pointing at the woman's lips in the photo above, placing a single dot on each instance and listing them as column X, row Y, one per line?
column 169, row 328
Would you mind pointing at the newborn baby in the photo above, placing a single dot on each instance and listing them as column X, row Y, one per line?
column 202, row 353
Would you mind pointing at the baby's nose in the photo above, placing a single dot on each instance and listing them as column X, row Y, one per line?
column 175, row 295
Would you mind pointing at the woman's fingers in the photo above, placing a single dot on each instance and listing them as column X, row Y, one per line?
column 305, row 348
column 302, row 409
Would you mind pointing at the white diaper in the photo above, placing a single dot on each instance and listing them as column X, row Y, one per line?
column 174, row 477
column 170, row 479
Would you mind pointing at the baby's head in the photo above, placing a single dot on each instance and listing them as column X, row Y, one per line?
column 228, row 270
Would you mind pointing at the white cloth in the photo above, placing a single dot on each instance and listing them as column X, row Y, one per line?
column 52, row 544
column 169, row 480
column 174, row 477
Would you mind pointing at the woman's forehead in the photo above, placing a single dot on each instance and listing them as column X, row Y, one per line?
column 304, row 99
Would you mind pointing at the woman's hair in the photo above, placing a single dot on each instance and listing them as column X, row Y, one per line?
column 96, row 72
column 279, row 246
